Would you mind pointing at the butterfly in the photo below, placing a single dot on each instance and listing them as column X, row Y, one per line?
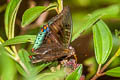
column 56, row 45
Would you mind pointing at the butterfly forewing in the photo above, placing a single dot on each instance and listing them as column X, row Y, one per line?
column 61, row 27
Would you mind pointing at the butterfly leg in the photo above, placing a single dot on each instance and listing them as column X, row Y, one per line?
column 75, row 57
column 72, row 54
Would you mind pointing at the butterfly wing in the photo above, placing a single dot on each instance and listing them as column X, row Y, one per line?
column 61, row 27
column 52, row 53
column 60, row 30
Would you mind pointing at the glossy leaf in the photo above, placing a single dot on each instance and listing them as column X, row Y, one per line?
column 92, row 20
column 7, row 65
column 39, row 68
column 20, row 39
column 76, row 74
column 115, row 72
column 102, row 38
column 23, row 54
column 109, row 12
column 59, row 74
column 31, row 14
column 10, row 16
column 33, row 69
column 20, row 70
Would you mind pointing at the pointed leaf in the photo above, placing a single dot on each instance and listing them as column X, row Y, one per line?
column 115, row 72
column 20, row 39
column 102, row 41
column 31, row 14
column 76, row 74
column 92, row 20
column 7, row 65
column 109, row 12
column 39, row 68
column 10, row 16
column 59, row 74
column 23, row 54
column 20, row 70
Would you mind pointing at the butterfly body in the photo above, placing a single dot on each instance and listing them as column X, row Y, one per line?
column 40, row 37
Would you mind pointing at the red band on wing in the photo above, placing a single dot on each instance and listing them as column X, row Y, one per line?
column 32, row 49
column 30, row 57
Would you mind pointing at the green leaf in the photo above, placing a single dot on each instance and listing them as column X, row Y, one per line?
column 24, row 56
column 115, row 72
column 58, row 75
column 102, row 38
column 109, row 12
column 39, row 68
column 33, row 69
column 10, row 16
column 76, row 74
column 31, row 14
column 20, row 39
column 7, row 65
column 92, row 20
column 20, row 70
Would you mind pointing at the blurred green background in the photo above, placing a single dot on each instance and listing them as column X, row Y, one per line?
column 80, row 10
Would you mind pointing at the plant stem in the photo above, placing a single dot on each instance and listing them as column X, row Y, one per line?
column 97, row 73
column 60, row 5
column 99, row 67
column 107, row 64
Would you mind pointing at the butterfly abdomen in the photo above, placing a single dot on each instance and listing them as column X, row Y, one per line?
column 40, row 37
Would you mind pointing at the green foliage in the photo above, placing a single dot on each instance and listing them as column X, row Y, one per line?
column 31, row 14
column 92, row 20
column 33, row 70
column 76, row 74
column 20, row 39
column 115, row 72
column 7, row 65
column 10, row 16
column 109, row 12
column 102, row 41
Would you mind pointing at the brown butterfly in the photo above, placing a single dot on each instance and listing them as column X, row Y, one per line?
column 56, row 45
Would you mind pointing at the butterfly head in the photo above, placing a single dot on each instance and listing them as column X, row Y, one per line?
column 72, row 50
